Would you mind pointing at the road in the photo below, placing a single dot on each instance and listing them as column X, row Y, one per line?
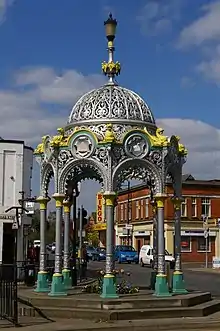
column 195, row 280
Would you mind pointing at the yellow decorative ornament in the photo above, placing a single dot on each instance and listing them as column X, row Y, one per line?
column 40, row 147
column 109, row 134
column 159, row 140
column 111, row 68
column 59, row 140
column 182, row 148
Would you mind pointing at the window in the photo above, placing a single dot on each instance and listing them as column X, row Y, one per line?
column 137, row 209
column 130, row 210
column 184, row 208
column 122, row 212
column 185, row 244
column 206, row 207
column 126, row 212
column 194, row 207
column 201, row 244
column 142, row 209
column 147, row 208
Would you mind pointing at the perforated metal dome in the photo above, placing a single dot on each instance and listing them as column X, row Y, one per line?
column 111, row 103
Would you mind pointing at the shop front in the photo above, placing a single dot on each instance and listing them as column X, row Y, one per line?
column 141, row 238
column 194, row 246
column 101, row 228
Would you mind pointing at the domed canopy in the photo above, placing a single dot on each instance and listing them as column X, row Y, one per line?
column 111, row 103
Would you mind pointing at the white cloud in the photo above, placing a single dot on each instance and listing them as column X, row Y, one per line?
column 205, row 29
column 204, row 33
column 24, row 109
column 158, row 16
column 4, row 5
column 202, row 141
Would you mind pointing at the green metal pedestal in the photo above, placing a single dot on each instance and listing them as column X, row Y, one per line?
column 67, row 280
column 178, row 283
column 42, row 282
column 161, row 286
column 109, row 287
column 57, row 286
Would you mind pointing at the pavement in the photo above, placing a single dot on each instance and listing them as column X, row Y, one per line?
column 196, row 276
column 191, row 324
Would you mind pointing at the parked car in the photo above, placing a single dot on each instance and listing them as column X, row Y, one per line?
column 36, row 243
column 90, row 252
column 146, row 257
column 99, row 254
column 125, row 253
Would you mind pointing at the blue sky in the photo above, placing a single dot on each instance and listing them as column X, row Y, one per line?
column 51, row 53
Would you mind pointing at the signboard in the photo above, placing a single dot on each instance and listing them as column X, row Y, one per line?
column 100, row 215
column 128, row 226
column 99, row 226
column 29, row 205
column 215, row 262
column 7, row 217
column 83, row 233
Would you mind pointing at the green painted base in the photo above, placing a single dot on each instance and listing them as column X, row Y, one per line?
column 42, row 282
column 57, row 287
column 109, row 288
column 153, row 277
column 67, row 280
column 178, row 283
column 161, row 286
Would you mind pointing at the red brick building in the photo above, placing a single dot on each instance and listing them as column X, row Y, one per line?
column 201, row 197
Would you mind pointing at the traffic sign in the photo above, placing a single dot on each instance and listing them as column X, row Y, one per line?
column 206, row 233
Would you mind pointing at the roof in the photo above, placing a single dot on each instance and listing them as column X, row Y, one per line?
column 187, row 179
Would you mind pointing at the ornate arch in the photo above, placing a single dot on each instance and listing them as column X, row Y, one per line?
column 80, row 169
column 141, row 169
column 47, row 172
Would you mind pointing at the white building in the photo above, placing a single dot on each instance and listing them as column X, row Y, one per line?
column 16, row 163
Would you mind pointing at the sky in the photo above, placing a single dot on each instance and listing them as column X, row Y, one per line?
column 51, row 54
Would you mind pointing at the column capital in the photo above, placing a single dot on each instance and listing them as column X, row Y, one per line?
column 66, row 206
column 160, row 199
column 58, row 197
column 177, row 201
column 43, row 201
column 109, row 198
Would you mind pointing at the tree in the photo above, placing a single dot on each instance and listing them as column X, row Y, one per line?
column 92, row 236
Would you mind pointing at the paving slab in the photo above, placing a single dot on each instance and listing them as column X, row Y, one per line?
column 191, row 324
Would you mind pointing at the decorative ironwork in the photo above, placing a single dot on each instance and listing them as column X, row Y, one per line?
column 111, row 102
column 137, row 146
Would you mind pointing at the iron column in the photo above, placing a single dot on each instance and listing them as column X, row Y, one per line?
column 57, row 287
column 161, row 286
column 109, row 286
column 42, row 283
column 66, row 255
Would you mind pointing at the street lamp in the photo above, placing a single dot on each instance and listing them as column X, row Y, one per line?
column 110, row 28
column 206, row 236
column 15, row 226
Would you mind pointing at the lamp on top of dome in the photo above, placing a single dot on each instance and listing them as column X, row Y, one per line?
column 110, row 28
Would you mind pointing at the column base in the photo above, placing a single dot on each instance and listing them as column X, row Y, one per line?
column 42, row 282
column 178, row 283
column 57, row 287
column 109, row 288
column 161, row 286
column 67, row 280
column 153, row 277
